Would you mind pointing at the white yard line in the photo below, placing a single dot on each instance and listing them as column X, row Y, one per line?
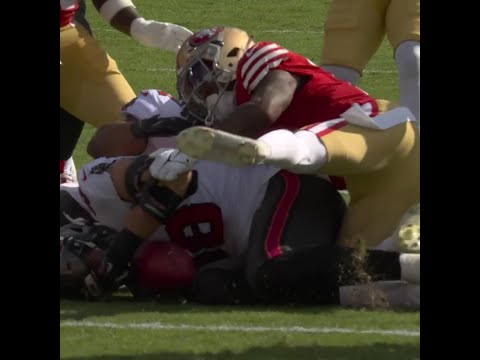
column 240, row 328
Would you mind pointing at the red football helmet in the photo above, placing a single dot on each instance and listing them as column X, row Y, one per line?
column 163, row 267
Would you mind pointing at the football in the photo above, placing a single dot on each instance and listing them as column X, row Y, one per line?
column 163, row 267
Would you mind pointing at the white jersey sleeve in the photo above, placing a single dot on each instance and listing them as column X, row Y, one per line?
column 153, row 102
column 96, row 194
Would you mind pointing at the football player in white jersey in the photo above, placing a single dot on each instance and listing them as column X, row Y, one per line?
column 278, row 229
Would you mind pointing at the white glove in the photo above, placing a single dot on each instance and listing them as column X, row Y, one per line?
column 169, row 163
column 161, row 35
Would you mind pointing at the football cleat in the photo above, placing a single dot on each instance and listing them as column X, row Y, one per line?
column 408, row 233
column 205, row 143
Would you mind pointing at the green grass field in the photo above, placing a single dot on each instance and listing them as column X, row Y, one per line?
column 147, row 331
column 123, row 329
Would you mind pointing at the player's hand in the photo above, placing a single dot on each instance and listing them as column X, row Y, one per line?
column 160, row 126
column 169, row 164
column 161, row 35
column 103, row 280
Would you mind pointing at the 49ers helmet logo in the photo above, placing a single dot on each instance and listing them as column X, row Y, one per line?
column 204, row 35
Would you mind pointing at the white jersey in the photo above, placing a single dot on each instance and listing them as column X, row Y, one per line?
column 217, row 215
column 153, row 102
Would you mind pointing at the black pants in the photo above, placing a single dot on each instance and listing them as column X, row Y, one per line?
column 299, row 217
column 293, row 256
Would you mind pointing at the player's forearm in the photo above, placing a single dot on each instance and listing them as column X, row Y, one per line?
column 248, row 119
column 120, row 14
column 138, row 227
column 141, row 223
column 271, row 98
column 115, row 139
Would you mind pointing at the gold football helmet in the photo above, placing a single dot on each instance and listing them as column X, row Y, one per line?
column 206, row 68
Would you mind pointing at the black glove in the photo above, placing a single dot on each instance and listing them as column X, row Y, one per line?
column 103, row 280
column 160, row 126
column 109, row 270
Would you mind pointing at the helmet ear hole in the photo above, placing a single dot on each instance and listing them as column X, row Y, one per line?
column 233, row 53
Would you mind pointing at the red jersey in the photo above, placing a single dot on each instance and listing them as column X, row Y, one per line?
column 67, row 11
column 322, row 97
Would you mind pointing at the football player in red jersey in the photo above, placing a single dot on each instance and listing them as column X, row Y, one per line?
column 315, row 123
column 248, row 88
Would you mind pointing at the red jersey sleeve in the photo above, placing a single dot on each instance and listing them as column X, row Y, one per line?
column 67, row 11
column 257, row 62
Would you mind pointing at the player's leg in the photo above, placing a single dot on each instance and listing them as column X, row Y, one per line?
column 298, row 219
column 70, row 126
column 403, row 32
column 382, row 172
column 354, row 30
column 299, row 151
column 70, row 131
column 222, row 282
column 352, row 149
column 80, row 16
column 374, row 162
column 91, row 85
column 292, row 254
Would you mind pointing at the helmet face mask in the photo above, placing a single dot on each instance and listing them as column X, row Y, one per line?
column 77, row 241
column 199, row 80
column 206, row 69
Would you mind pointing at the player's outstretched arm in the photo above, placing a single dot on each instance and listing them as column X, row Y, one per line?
column 123, row 16
column 153, row 203
column 115, row 139
column 271, row 98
